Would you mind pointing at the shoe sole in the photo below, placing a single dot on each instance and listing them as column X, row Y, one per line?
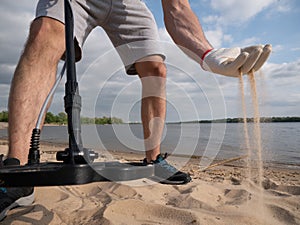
column 170, row 182
column 24, row 201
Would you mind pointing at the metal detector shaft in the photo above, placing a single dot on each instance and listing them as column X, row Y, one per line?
column 72, row 98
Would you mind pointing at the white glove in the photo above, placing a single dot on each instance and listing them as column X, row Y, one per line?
column 232, row 61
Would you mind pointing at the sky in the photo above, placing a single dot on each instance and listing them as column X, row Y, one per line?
column 192, row 94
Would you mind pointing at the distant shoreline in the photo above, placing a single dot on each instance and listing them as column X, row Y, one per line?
column 288, row 119
column 4, row 125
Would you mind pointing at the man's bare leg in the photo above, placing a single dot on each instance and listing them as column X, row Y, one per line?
column 152, row 73
column 32, row 81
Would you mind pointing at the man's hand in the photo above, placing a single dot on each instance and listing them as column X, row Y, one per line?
column 232, row 61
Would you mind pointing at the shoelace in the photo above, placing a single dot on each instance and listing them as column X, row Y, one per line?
column 168, row 167
column 3, row 197
column 3, row 190
column 163, row 163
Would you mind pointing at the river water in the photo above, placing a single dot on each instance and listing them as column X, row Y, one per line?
column 280, row 141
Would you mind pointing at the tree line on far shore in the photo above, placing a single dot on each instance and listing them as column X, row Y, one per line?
column 61, row 118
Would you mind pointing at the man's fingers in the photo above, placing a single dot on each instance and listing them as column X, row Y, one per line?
column 263, row 57
column 234, row 66
column 249, row 49
column 251, row 60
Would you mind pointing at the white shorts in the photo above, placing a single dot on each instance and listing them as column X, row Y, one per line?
column 129, row 24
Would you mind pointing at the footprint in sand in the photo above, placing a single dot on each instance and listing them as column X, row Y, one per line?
column 236, row 196
column 137, row 212
column 270, row 185
column 119, row 191
column 201, row 197
column 73, row 204
column 186, row 201
column 292, row 190
column 283, row 215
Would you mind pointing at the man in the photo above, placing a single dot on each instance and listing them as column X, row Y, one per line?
column 129, row 24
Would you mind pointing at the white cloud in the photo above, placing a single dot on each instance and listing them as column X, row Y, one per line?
column 215, row 37
column 14, row 24
column 237, row 11
column 218, row 38
column 277, row 48
column 295, row 49
column 284, row 71
column 282, row 82
column 282, row 6
column 210, row 19
column 250, row 41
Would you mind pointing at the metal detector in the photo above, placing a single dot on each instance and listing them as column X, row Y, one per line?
column 75, row 165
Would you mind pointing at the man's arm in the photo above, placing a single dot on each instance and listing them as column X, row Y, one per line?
column 184, row 27
column 186, row 31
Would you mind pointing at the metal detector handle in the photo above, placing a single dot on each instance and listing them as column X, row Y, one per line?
column 70, row 47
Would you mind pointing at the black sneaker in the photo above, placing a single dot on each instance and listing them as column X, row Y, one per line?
column 166, row 173
column 12, row 197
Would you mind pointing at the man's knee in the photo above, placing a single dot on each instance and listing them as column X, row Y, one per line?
column 151, row 66
column 46, row 37
column 153, row 77
column 157, row 69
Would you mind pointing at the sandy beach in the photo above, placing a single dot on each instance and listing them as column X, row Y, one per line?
column 220, row 195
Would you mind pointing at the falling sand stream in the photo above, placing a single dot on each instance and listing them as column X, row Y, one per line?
column 254, row 151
